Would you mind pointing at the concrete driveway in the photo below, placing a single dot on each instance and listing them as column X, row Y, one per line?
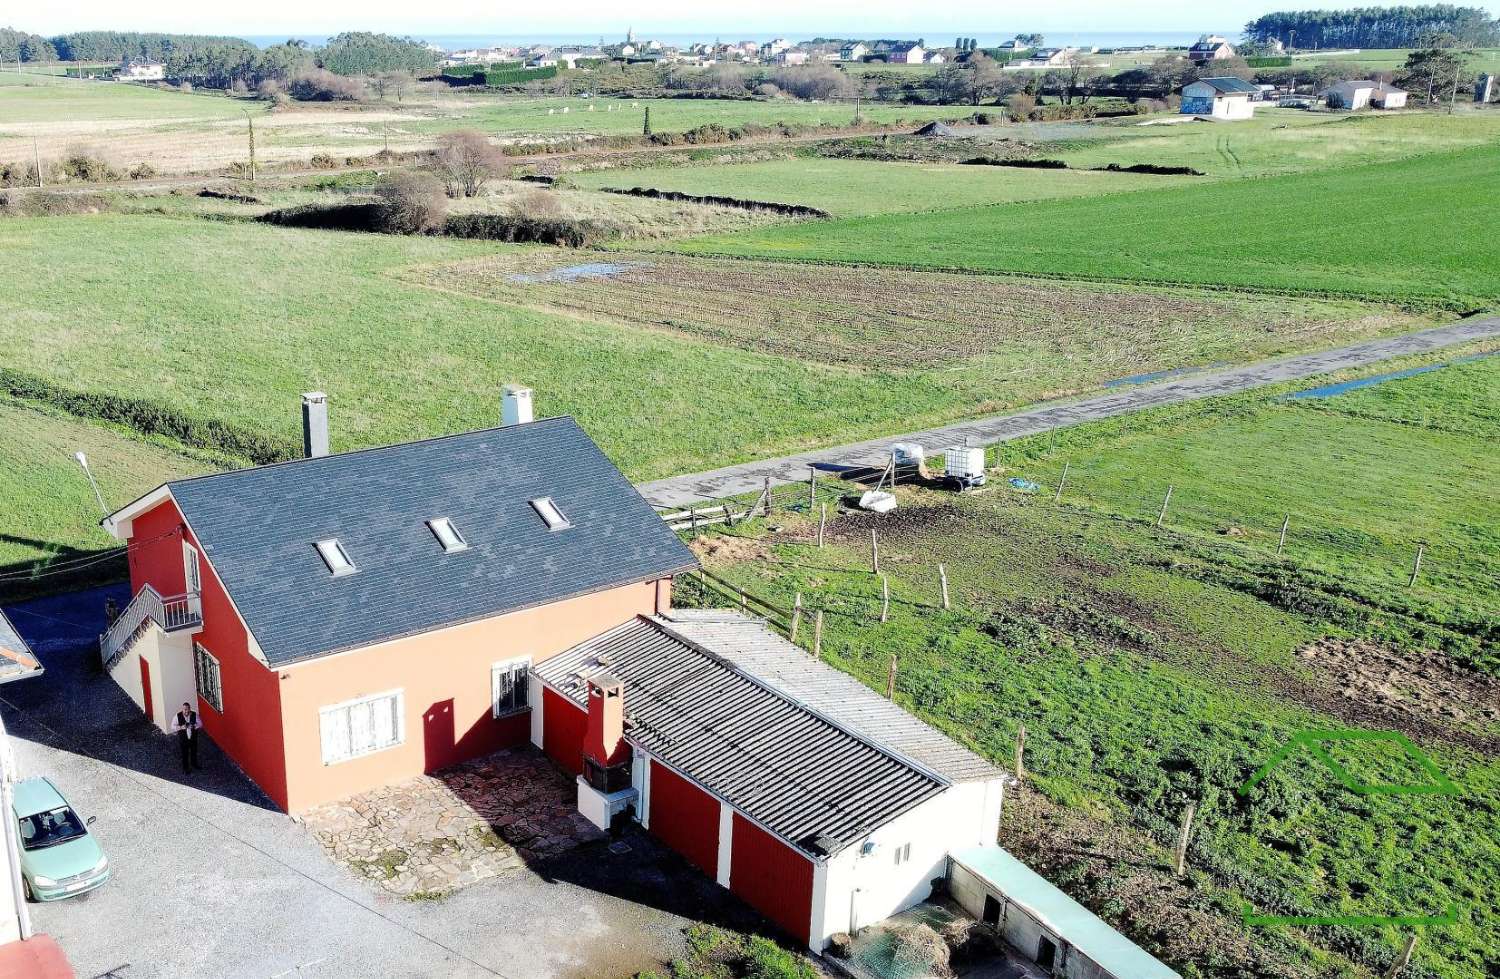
column 209, row 880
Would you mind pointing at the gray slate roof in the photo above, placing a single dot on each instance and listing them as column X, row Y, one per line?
column 258, row 527
column 798, row 773
column 750, row 646
column 1230, row 85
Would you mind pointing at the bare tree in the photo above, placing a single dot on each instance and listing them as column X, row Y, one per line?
column 466, row 161
column 399, row 82
column 412, row 203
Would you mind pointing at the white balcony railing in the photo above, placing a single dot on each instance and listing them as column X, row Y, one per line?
column 170, row 614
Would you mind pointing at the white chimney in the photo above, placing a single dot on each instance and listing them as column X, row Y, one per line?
column 515, row 405
column 314, row 424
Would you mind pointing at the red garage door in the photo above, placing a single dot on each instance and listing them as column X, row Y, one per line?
column 685, row 818
column 771, row 877
column 563, row 727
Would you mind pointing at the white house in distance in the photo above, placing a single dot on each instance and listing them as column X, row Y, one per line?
column 140, row 71
column 1362, row 94
column 857, row 51
column 1219, row 98
column 1210, row 47
column 906, row 54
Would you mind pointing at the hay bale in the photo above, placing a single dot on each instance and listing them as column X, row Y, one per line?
column 920, row 950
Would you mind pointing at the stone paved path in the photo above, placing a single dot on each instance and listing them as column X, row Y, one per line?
column 750, row 477
column 435, row 834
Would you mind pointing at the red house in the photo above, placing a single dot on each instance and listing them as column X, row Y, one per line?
column 344, row 621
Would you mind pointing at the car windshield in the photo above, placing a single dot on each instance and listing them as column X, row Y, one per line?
column 50, row 828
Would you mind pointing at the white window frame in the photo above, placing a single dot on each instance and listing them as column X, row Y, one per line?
column 510, row 666
column 327, row 549
column 192, row 570
column 552, row 515
column 203, row 660
column 324, row 713
column 441, row 525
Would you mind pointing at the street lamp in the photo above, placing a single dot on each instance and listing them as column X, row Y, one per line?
column 83, row 462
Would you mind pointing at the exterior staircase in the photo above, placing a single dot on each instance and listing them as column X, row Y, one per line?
column 148, row 608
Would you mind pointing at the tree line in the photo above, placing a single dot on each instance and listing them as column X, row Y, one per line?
column 1376, row 27
column 222, row 62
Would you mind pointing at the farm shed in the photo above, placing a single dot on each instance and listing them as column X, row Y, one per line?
column 1219, row 98
column 1058, row 933
column 1362, row 94
column 806, row 794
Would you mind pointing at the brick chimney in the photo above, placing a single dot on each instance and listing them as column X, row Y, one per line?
column 604, row 744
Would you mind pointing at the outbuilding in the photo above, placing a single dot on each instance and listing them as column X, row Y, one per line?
column 1220, row 98
column 1354, row 95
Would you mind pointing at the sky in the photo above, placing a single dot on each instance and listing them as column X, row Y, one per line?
column 663, row 16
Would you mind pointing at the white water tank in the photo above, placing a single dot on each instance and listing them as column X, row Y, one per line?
column 964, row 464
column 908, row 454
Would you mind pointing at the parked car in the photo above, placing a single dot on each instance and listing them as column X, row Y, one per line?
column 59, row 856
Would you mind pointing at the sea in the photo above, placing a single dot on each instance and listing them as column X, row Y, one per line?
column 1101, row 39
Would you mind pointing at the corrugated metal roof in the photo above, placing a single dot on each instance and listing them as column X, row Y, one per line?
column 755, row 649
column 1229, row 85
column 797, row 773
column 1076, row 924
column 259, row 526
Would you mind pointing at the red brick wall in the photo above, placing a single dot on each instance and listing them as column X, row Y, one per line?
column 771, row 877
column 564, row 725
column 685, row 818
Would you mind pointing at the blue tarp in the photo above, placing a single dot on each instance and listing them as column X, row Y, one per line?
column 1065, row 917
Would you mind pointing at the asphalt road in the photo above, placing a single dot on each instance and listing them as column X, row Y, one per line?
column 750, row 477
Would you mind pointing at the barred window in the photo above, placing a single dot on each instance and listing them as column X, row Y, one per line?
column 509, row 682
column 206, row 670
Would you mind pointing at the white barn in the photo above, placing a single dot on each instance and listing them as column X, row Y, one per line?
column 1364, row 94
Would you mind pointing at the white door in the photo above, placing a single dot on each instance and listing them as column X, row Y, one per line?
column 193, row 582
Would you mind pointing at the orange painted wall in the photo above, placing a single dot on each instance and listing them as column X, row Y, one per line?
column 445, row 677
column 247, row 730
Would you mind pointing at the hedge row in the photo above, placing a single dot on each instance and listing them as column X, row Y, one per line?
column 544, row 231
column 1284, row 61
column 150, row 418
column 791, row 210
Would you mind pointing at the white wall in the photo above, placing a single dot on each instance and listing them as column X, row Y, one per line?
column 1234, row 108
column 874, row 886
column 1019, row 928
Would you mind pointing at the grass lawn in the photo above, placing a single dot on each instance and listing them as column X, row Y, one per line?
column 852, row 188
column 46, row 507
column 44, row 99
column 1154, row 666
column 1415, row 230
column 1279, row 141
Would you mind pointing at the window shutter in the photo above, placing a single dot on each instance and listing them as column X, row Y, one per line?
column 385, row 721
column 335, row 731
column 361, row 728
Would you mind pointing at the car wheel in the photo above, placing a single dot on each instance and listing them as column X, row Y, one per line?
column 26, row 886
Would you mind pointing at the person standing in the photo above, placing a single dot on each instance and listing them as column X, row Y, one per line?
column 187, row 724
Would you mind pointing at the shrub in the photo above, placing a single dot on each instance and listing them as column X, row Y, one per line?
column 17, row 175
column 412, row 202
column 272, row 90
column 323, row 161
column 239, row 88
column 467, row 160
column 768, row 90
column 1020, row 106
column 142, row 171
column 82, row 164
column 319, row 85
column 546, row 231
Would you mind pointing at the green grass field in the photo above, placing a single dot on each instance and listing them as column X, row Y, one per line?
column 33, row 98
column 47, row 510
column 1414, row 230
column 852, row 188
column 1278, row 141
column 1153, row 666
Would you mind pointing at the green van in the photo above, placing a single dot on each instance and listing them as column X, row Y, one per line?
column 59, row 856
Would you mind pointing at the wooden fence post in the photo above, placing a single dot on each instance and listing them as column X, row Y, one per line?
column 874, row 552
column 812, row 487
column 796, row 616
column 1061, row 483
column 1404, row 958
column 818, row 635
column 890, row 681
column 1281, row 544
column 1021, row 752
column 1168, row 499
column 767, row 494
column 943, row 580
column 1182, row 840
column 822, row 521
column 728, row 517
column 693, row 520
column 1416, row 565
column 885, row 598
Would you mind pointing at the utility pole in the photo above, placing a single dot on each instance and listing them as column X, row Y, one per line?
column 36, row 160
column 1458, row 67
column 250, row 122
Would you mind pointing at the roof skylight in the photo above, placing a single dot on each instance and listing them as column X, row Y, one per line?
column 442, row 528
column 550, row 514
column 333, row 554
